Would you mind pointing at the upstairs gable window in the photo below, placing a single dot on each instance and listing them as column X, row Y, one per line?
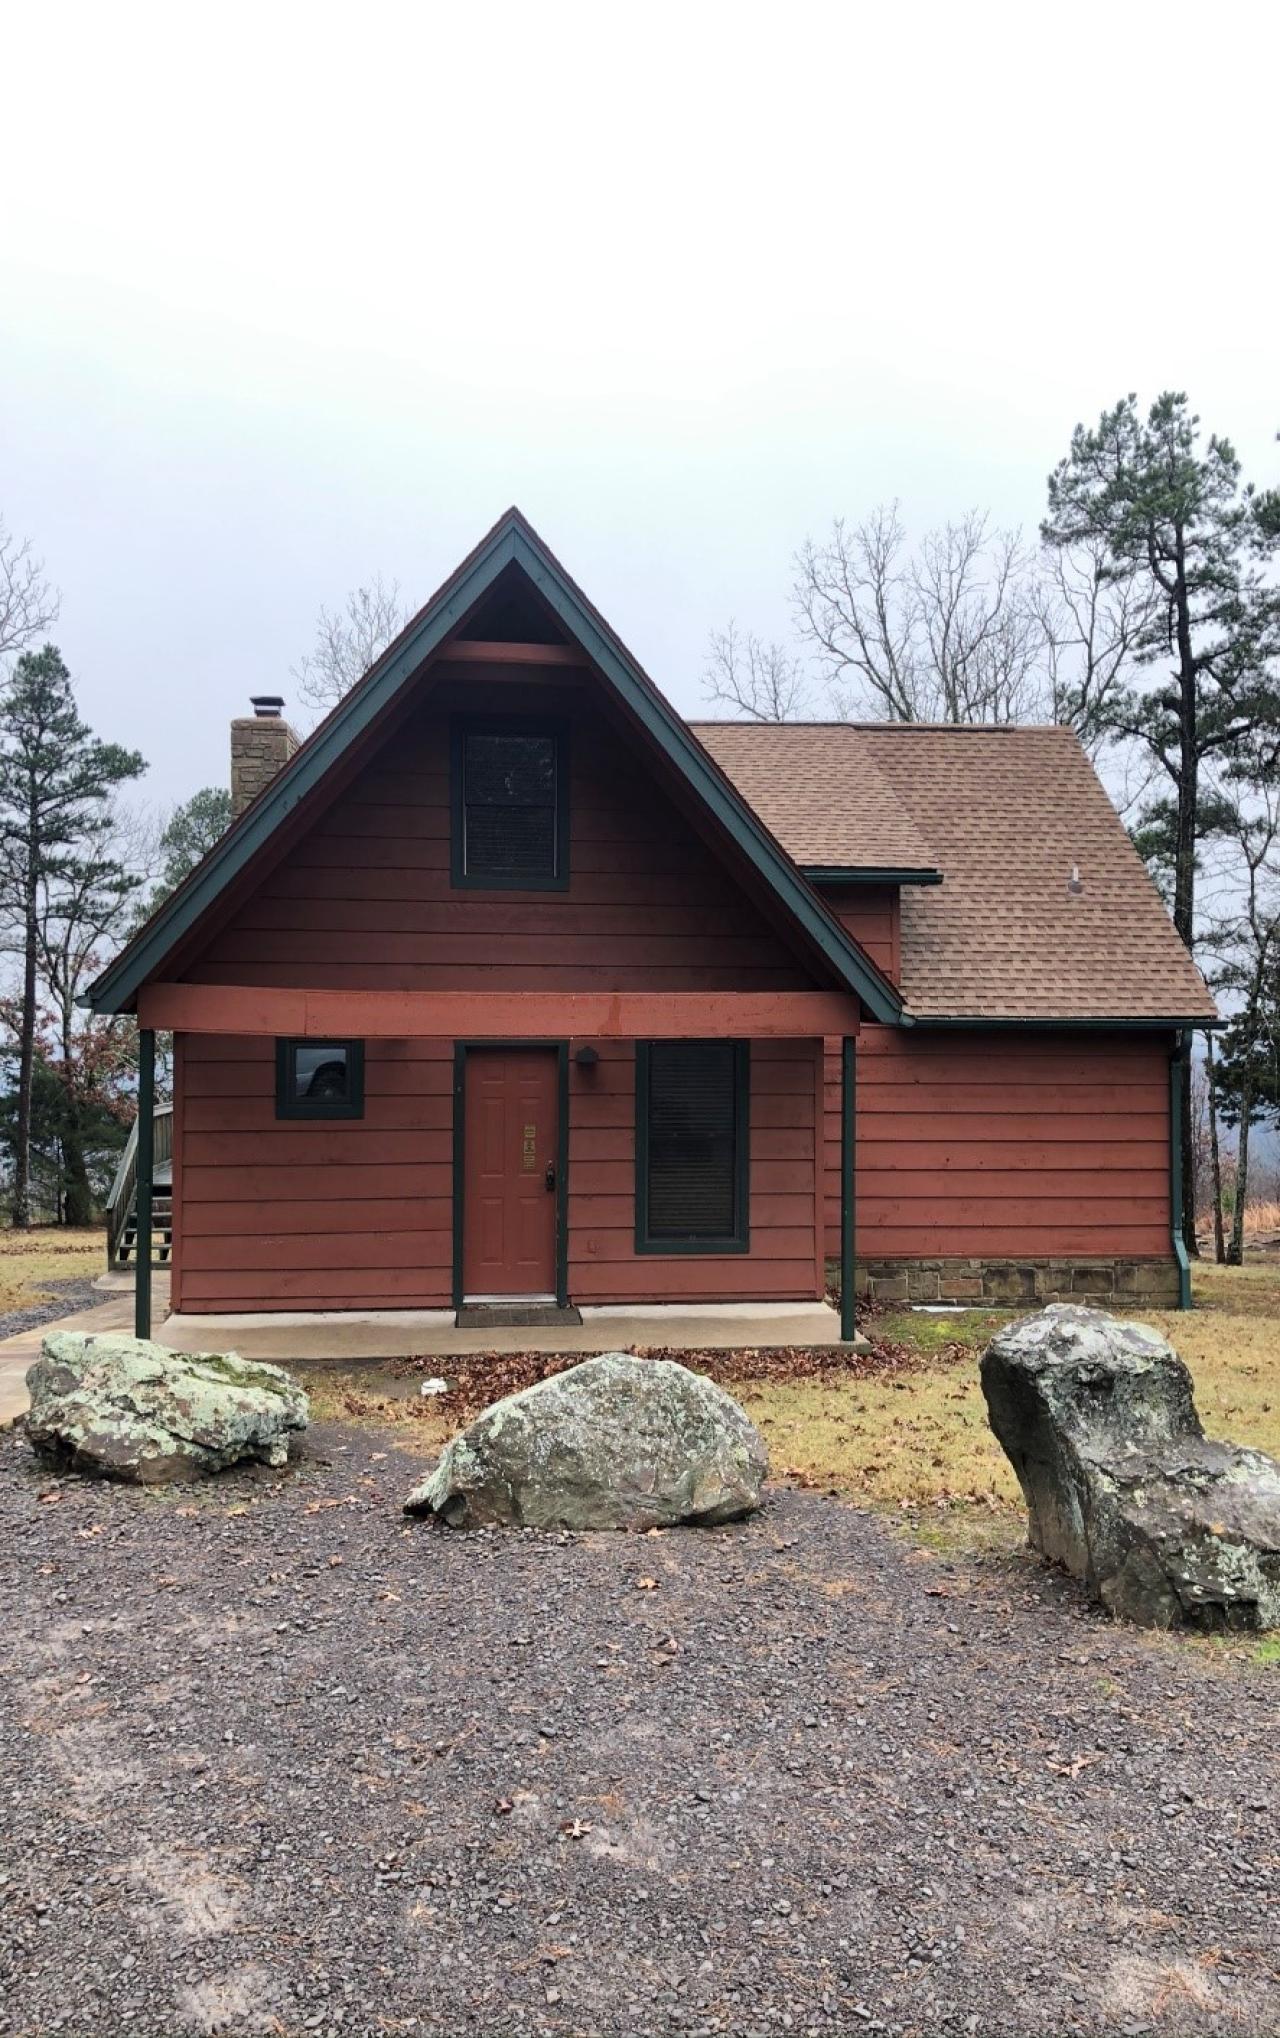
column 510, row 812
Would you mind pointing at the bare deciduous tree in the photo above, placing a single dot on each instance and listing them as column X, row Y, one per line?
column 761, row 681
column 28, row 604
column 348, row 641
column 855, row 603
column 1091, row 622
column 949, row 633
column 968, row 625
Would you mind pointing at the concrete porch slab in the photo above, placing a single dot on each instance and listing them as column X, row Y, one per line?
column 432, row 1333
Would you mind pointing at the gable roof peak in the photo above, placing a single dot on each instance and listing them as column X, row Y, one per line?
column 512, row 541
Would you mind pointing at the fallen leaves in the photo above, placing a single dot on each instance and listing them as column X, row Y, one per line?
column 1074, row 1766
column 482, row 1378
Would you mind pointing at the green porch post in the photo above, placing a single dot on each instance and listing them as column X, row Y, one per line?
column 146, row 1169
column 848, row 1256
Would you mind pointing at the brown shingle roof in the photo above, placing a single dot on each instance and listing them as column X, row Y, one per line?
column 786, row 771
column 1004, row 814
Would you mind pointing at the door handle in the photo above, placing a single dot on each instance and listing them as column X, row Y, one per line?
column 550, row 1177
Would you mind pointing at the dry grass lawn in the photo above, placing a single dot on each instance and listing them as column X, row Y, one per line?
column 30, row 1260
column 922, row 1441
column 918, row 1440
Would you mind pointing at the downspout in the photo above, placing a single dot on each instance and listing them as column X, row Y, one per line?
column 1177, row 1062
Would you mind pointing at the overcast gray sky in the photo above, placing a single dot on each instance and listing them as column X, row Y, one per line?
column 290, row 296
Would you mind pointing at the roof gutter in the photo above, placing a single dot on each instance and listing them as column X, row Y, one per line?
column 871, row 874
column 1010, row 1021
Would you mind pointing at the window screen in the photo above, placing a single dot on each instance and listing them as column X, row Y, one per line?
column 319, row 1079
column 508, row 808
column 691, row 1188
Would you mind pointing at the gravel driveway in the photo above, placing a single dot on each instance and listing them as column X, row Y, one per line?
column 58, row 1298
column 274, row 1759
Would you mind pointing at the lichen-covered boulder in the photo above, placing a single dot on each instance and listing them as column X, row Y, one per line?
column 130, row 1409
column 1098, row 1419
column 615, row 1443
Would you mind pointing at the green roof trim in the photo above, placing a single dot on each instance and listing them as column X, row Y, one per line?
column 512, row 541
column 871, row 874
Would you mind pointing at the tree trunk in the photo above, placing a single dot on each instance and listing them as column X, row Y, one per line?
column 1215, row 1154
column 77, row 1195
column 1235, row 1256
column 26, row 1057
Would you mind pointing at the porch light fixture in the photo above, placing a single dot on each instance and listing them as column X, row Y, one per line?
column 586, row 1056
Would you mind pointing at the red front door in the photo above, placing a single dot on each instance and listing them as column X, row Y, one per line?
column 510, row 1163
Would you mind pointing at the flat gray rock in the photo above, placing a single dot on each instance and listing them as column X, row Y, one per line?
column 1123, row 1488
column 130, row 1409
column 615, row 1443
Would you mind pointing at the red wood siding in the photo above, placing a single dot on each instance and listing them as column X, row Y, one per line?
column 871, row 914
column 352, row 1214
column 985, row 1146
column 784, row 1262
column 358, row 1215
column 364, row 900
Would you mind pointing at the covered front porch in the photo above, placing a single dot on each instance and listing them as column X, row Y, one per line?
column 767, row 1289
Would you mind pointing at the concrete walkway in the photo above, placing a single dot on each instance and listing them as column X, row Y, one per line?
column 339, row 1336
column 114, row 1312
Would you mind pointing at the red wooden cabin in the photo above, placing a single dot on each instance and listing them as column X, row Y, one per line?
column 510, row 983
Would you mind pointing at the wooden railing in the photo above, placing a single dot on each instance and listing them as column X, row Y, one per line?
column 124, row 1187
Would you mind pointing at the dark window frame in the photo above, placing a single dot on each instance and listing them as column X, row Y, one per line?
column 290, row 1106
column 739, row 1241
column 462, row 726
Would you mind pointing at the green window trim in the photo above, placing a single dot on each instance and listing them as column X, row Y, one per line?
column 321, row 1109
column 739, row 1240
column 462, row 726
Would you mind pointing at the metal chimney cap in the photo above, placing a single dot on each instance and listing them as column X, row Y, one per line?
column 269, row 706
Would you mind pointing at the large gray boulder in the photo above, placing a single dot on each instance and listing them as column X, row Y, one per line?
column 130, row 1409
column 615, row 1443
column 1122, row 1486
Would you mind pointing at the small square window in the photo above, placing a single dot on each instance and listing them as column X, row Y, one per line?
column 510, row 817
column 319, row 1079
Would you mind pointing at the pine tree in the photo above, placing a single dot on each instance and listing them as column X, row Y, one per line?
column 56, row 777
column 188, row 835
column 85, row 903
column 1164, row 508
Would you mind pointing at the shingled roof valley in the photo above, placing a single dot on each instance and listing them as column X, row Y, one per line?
column 1005, row 814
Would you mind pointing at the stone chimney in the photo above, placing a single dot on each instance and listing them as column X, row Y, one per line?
column 260, row 744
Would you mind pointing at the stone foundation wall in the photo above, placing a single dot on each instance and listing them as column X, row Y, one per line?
column 1119, row 1281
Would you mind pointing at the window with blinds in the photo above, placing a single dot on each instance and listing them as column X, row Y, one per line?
column 691, row 1145
column 509, row 818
